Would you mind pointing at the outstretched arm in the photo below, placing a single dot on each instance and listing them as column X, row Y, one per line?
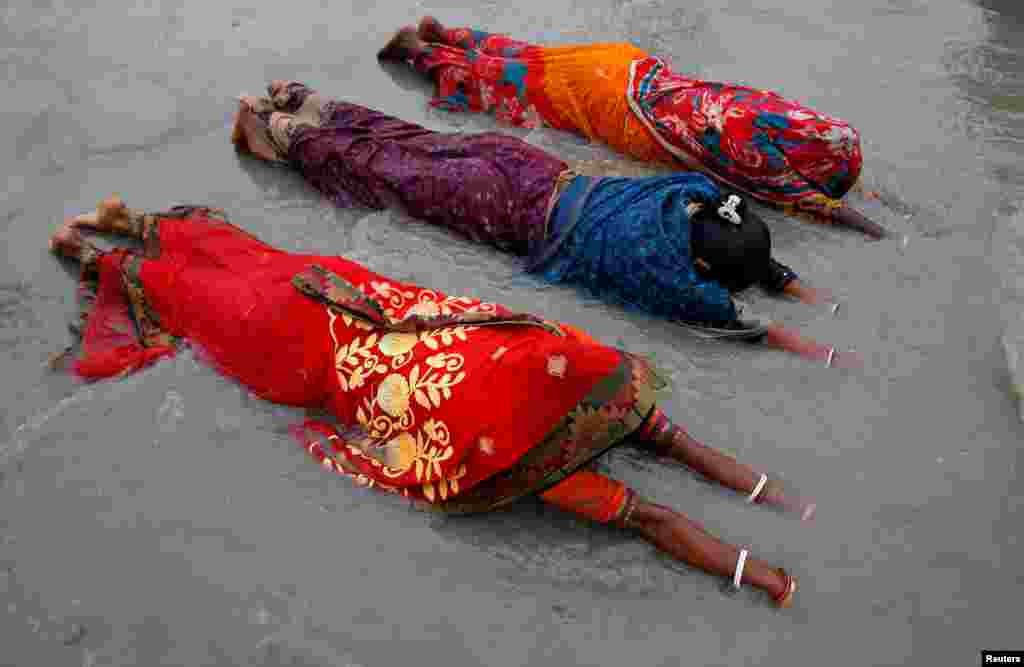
column 784, row 280
column 808, row 295
column 854, row 219
column 791, row 341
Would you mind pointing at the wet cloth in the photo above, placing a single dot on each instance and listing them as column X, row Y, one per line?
column 427, row 390
column 628, row 239
column 469, row 183
column 590, row 494
column 489, row 187
column 773, row 148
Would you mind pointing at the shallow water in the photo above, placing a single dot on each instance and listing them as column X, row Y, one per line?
column 167, row 518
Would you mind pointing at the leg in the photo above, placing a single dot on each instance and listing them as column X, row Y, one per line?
column 608, row 501
column 493, row 75
column 687, row 541
column 663, row 437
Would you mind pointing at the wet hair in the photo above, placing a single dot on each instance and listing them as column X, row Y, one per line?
column 734, row 255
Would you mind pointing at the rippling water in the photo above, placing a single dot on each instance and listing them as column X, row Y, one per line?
column 167, row 518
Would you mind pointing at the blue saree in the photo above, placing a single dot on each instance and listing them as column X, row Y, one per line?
column 628, row 240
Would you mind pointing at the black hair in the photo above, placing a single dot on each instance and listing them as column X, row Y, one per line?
column 730, row 243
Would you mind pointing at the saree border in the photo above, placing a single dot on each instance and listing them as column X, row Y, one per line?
column 613, row 410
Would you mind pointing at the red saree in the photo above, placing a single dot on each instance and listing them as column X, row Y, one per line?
column 448, row 400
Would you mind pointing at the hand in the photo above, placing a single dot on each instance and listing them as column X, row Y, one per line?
column 854, row 219
column 808, row 295
column 848, row 359
column 791, row 341
column 776, row 495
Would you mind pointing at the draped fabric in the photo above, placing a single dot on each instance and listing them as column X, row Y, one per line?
column 457, row 403
column 774, row 148
column 628, row 239
column 771, row 147
column 499, row 193
column 573, row 88
column 111, row 342
column 489, row 187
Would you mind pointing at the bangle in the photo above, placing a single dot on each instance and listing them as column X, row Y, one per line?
column 737, row 576
column 761, row 483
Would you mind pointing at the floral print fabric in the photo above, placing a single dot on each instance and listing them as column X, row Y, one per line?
column 489, row 187
column 773, row 148
column 756, row 140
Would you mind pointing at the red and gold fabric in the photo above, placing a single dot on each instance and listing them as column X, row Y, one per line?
column 458, row 403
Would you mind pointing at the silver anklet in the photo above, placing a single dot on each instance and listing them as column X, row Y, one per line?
column 631, row 505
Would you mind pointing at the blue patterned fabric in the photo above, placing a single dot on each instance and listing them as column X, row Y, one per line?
column 628, row 239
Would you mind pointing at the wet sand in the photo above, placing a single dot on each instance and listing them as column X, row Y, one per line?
column 168, row 519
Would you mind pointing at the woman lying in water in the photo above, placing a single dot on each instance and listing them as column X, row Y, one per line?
column 673, row 246
column 411, row 373
column 772, row 148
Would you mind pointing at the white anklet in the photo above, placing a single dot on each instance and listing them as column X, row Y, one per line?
column 758, row 489
column 737, row 577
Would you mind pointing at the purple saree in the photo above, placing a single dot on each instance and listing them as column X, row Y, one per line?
column 490, row 187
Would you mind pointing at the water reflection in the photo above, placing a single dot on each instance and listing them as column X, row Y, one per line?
column 280, row 184
column 990, row 72
column 991, row 75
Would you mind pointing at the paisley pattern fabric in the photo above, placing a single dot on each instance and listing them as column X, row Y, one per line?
column 486, row 73
column 773, row 148
column 460, row 404
column 489, row 187
column 755, row 140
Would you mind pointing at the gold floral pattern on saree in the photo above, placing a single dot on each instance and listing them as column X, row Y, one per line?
column 397, row 309
column 402, row 354
column 616, row 407
column 407, row 388
column 424, row 303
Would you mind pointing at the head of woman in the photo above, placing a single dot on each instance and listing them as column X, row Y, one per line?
column 730, row 243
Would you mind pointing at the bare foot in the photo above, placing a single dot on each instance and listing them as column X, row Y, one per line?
column 110, row 215
column 67, row 241
column 276, row 87
column 402, row 46
column 785, row 601
column 250, row 133
column 431, row 30
column 279, row 95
